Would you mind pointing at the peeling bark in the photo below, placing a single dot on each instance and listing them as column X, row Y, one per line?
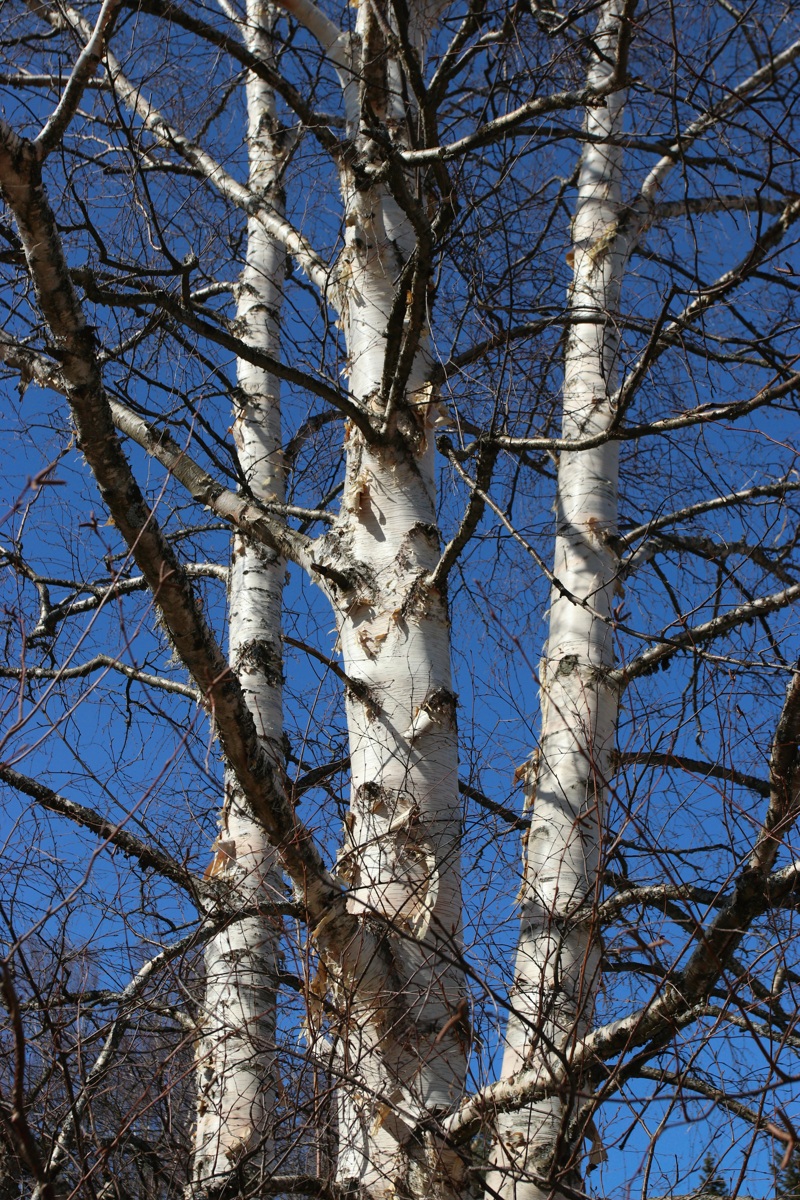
column 407, row 1033
column 401, row 857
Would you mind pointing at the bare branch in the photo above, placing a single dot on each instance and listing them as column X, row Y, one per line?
column 119, row 1023
column 784, row 778
column 20, row 179
column 52, row 615
column 170, row 137
column 698, row 635
column 701, row 205
column 98, row 663
column 706, row 298
column 192, row 320
column 735, row 98
column 693, row 1083
column 703, row 414
column 487, row 456
column 87, row 63
column 249, row 516
column 732, row 499
column 149, row 857
column 696, row 766
column 509, row 123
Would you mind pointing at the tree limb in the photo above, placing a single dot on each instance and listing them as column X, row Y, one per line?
column 150, row 858
column 259, row 777
column 699, row 634
column 101, row 662
column 87, row 63
column 249, row 516
column 698, row 766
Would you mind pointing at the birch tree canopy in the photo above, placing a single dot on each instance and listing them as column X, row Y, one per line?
column 399, row 526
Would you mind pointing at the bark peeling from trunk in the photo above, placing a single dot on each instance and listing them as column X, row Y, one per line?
column 401, row 856
column 401, row 852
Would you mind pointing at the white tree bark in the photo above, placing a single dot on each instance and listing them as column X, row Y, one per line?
column 405, row 1035
column 236, row 1064
column 402, row 854
column 556, row 971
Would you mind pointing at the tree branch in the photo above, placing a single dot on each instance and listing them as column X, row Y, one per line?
column 699, row 634
column 260, row 779
column 250, row 517
column 128, row 996
column 487, row 456
column 85, row 66
column 780, row 488
column 52, row 615
column 698, row 766
column 703, row 414
column 259, row 358
column 150, row 858
column 170, row 137
column 737, row 96
column 98, row 663
column 700, row 205
column 705, row 299
column 784, row 777
column 501, row 127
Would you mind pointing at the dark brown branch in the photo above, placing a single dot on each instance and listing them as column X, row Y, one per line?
column 696, row 766
column 706, row 298
column 150, row 858
column 355, row 685
column 704, row 414
column 784, row 780
column 476, row 506
column 14, row 1116
column 187, row 316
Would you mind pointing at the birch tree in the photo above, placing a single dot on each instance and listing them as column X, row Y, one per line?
column 557, row 970
column 297, row 300
column 236, row 1088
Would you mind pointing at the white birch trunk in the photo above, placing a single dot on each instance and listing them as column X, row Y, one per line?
column 556, row 972
column 402, row 854
column 236, row 1066
column 406, row 1036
